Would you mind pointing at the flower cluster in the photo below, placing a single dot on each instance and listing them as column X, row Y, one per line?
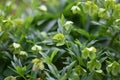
column 59, row 39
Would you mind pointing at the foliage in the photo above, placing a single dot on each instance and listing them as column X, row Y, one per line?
column 60, row 40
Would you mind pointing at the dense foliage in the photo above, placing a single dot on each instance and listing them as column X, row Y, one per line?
column 59, row 40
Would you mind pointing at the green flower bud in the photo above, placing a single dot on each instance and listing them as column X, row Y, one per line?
column 93, row 64
column 117, row 7
column 75, row 9
column 90, row 8
column 117, row 10
column 16, row 45
column 68, row 23
column 102, row 13
column 43, row 8
column 23, row 53
column 8, row 22
column 88, row 3
column 92, row 49
column 18, row 21
column 92, row 54
column 110, row 4
column 37, row 48
column 36, row 60
column 59, row 39
column 10, row 78
column 89, row 52
column 8, row 3
column 38, row 66
column 44, row 35
column 68, row 26
column 114, row 68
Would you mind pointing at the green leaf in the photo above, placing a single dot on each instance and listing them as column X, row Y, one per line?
column 21, row 70
column 53, row 55
column 68, row 67
column 18, row 71
column 78, row 42
column 60, row 43
column 53, row 70
column 83, row 32
column 75, row 76
column 28, row 21
column 62, row 19
column 64, row 77
column 60, row 27
column 1, row 33
column 49, row 25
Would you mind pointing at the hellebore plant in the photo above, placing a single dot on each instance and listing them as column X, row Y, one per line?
column 60, row 40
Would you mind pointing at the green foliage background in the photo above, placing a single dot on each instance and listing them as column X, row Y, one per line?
column 59, row 40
